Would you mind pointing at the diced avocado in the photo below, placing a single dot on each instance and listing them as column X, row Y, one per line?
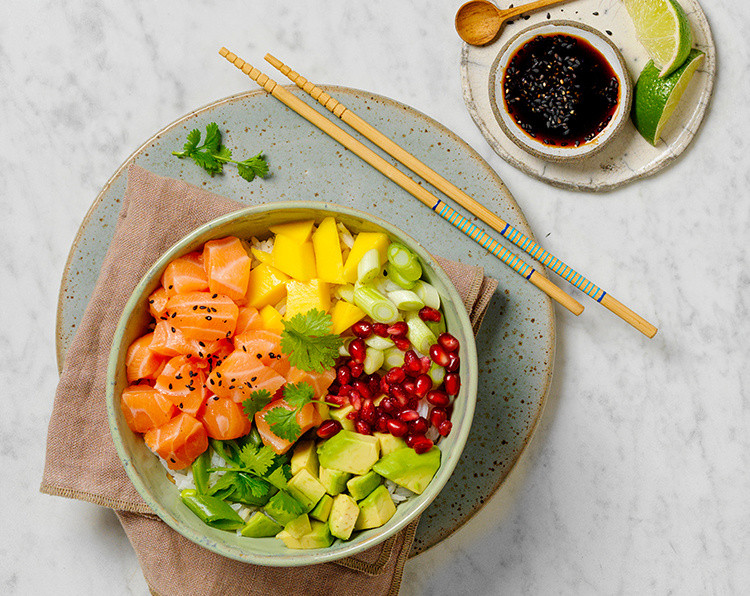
column 323, row 409
column 322, row 509
column 260, row 526
column 409, row 469
column 375, row 509
column 305, row 457
column 318, row 537
column 388, row 443
column 306, row 489
column 283, row 507
column 340, row 415
column 334, row 481
column 299, row 526
column 349, row 452
column 344, row 514
column 361, row 486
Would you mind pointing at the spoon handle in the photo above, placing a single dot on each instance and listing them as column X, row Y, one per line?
column 530, row 7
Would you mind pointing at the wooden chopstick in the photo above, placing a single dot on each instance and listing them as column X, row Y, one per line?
column 397, row 176
column 463, row 199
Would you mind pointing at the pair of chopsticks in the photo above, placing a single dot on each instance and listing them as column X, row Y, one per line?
column 439, row 182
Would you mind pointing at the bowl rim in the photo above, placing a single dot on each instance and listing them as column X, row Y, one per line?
column 563, row 154
column 296, row 557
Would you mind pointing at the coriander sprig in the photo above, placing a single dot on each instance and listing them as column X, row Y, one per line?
column 283, row 421
column 212, row 155
column 308, row 341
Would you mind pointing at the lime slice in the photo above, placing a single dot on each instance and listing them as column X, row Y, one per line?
column 655, row 98
column 664, row 31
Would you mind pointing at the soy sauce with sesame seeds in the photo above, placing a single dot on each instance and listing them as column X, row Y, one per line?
column 560, row 90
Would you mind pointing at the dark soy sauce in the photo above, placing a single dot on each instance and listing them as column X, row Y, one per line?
column 560, row 90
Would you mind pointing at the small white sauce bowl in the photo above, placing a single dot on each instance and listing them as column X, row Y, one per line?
column 533, row 145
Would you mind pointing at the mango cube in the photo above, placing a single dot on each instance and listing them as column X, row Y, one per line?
column 271, row 319
column 328, row 260
column 302, row 296
column 362, row 243
column 299, row 231
column 296, row 259
column 267, row 286
column 262, row 256
column 344, row 315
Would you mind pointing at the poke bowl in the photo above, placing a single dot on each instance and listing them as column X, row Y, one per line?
column 373, row 498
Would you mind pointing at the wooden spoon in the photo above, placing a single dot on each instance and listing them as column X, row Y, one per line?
column 479, row 21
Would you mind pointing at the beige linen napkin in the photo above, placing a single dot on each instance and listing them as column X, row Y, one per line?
column 81, row 459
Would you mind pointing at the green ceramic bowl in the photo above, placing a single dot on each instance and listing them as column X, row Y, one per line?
column 150, row 478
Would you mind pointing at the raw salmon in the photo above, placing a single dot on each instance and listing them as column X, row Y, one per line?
column 202, row 315
column 240, row 374
column 141, row 362
column 307, row 418
column 145, row 408
column 182, row 382
column 224, row 419
column 170, row 341
column 178, row 441
column 185, row 274
column 157, row 303
column 320, row 381
column 264, row 345
column 228, row 267
column 248, row 318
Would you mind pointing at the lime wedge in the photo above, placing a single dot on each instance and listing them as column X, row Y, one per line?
column 655, row 98
column 664, row 31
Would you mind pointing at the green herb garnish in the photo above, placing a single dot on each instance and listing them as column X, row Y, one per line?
column 282, row 421
column 212, row 155
column 308, row 341
column 256, row 402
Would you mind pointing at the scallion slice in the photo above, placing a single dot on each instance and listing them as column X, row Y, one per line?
column 405, row 261
column 377, row 306
column 395, row 276
column 419, row 334
column 368, row 266
column 427, row 293
column 405, row 300
column 373, row 360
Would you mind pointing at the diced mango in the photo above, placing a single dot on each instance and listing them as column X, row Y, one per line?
column 296, row 259
column 328, row 260
column 262, row 256
column 299, row 231
column 271, row 319
column 362, row 243
column 267, row 286
column 344, row 315
column 303, row 296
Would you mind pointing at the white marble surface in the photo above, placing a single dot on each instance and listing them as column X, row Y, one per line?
column 637, row 480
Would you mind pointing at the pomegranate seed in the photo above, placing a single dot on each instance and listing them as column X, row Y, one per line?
column 454, row 362
column 381, row 424
column 410, row 387
column 445, row 428
column 410, row 439
column 395, row 375
column 410, row 356
column 452, row 383
column 428, row 313
column 449, row 343
column 439, row 355
column 343, row 375
column 422, row 385
column 380, row 329
column 355, row 399
column 388, row 405
column 398, row 329
column 363, row 388
column 335, row 399
column 397, row 428
column 408, row 415
column 334, row 388
column 438, row 416
column 422, row 445
column 345, row 389
column 352, row 415
column 373, row 383
column 426, row 364
column 356, row 369
column 419, row 426
column 384, row 386
column 358, row 350
column 367, row 413
column 362, row 329
column 362, row 427
column 402, row 343
column 328, row 429
column 438, row 398
column 412, row 366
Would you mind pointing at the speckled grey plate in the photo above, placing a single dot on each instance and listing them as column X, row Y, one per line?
column 515, row 346
column 627, row 158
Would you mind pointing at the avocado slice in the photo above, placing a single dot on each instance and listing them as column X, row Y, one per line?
column 260, row 526
column 307, row 489
column 344, row 514
column 409, row 469
column 323, row 509
column 334, row 481
column 305, row 457
column 349, row 452
column 318, row 537
column 283, row 507
column 299, row 526
column 388, row 443
column 361, row 486
column 375, row 509
column 340, row 415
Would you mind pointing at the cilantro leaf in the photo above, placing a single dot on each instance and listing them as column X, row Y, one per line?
column 284, row 423
column 213, row 137
column 252, row 167
column 308, row 341
column 256, row 402
column 193, row 138
column 257, row 459
column 299, row 394
column 280, row 476
column 257, row 487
